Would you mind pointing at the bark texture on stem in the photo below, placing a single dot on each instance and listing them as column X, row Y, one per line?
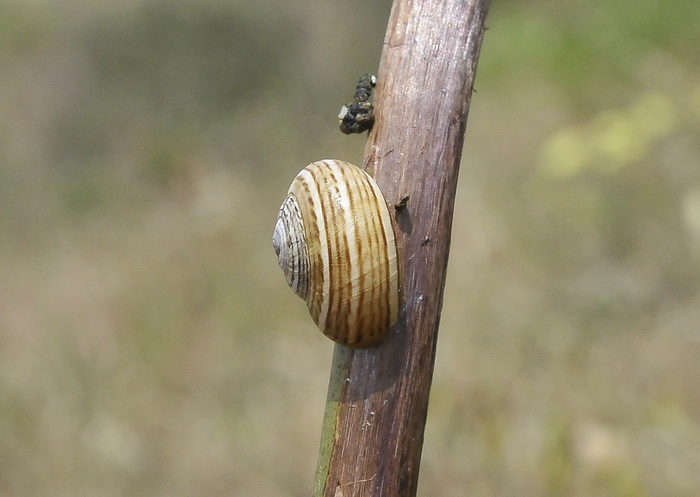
column 378, row 398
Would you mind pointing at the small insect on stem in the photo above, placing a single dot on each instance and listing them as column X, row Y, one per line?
column 401, row 204
column 358, row 115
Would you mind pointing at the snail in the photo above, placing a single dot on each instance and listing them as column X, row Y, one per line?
column 335, row 243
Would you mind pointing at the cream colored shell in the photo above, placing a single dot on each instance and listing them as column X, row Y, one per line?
column 336, row 246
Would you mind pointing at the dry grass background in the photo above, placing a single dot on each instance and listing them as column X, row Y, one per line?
column 149, row 345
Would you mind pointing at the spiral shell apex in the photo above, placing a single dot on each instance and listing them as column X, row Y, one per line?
column 335, row 243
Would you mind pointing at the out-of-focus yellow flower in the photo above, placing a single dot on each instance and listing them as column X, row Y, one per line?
column 613, row 138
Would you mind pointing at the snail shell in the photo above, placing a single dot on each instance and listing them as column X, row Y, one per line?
column 336, row 246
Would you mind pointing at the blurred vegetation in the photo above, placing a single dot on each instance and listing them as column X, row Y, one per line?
column 149, row 344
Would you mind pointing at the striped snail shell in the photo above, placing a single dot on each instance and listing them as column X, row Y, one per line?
column 336, row 246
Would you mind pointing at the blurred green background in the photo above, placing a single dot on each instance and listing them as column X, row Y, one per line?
column 149, row 345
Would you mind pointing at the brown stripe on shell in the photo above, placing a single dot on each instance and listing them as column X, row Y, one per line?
column 327, row 191
column 374, row 279
column 378, row 317
column 352, row 327
column 359, row 320
column 366, row 316
column 345, row 312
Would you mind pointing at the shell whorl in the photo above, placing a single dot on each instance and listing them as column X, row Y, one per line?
column 335, row 243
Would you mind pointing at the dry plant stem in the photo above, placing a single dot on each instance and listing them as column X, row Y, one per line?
column 378, row 398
